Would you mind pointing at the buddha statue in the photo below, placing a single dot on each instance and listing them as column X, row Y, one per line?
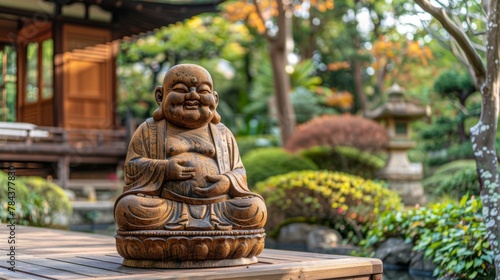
column 186, row 202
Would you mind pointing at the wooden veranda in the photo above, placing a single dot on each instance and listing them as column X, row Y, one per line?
column 54, row 149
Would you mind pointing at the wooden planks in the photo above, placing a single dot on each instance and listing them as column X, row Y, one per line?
column 55, row 254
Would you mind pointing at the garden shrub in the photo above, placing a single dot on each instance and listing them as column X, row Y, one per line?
column 439, row 134
column 452, row 153
column 339, row 130
column 56, row 200
column 37, row 201
column 251, row 142
column 452, row 235
column 263, row 163
column 454, row 179
column 343, row 201
column 345, row 159
column 22, row 198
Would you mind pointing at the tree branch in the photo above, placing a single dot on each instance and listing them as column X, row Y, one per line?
column 261, row 16
column 440, row 39
column 460, row 55
column 461, row 38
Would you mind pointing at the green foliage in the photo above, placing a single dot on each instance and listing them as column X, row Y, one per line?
column 307, row 105
column 454, row 179
column 452, row 82
column 211, row 41
column 55, row 197
column 343, row 130
column 439, row 134
column 135, row 97
column 261, row 89
column 447, row 136
column 454, row 152
column 249, row 143
column 303, row 82
column 346, row 201
column 22, row 197
column 263, row 163
column 37, row 201
column 345, row 159
column 452, row 235
column 303, row 75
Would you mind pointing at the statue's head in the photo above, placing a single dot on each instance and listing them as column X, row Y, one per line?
column 187, row 97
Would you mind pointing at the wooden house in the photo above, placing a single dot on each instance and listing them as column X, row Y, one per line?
column 59, row 58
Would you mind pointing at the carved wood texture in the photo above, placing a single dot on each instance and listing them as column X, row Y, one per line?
column 186, row 202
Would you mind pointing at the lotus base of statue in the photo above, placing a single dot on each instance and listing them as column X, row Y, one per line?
column 189, row 249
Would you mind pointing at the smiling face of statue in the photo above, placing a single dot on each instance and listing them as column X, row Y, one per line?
column 188, row 97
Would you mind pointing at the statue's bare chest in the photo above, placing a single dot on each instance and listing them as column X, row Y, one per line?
column 191, row 141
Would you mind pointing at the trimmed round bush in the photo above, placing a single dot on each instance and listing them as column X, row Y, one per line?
column 339, row 130
column 38, row 202
column 345, row 159
column 263, row 163
column 342, row 200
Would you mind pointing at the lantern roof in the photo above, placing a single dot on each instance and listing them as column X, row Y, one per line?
column 397, row 107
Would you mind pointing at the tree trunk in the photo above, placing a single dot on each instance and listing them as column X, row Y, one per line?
column 279, row 46
column 483, row 144
column 483, row 134
column 461, row 131
column 358, row 79
column 286, row 114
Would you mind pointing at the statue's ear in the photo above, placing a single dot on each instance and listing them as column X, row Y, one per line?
column 216, row 96
column 158, row 113
column 216, row 118
column 159, row 95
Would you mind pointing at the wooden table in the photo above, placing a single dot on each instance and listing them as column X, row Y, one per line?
column 55, row 254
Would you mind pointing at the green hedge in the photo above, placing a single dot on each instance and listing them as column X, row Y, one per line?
column 263, row 163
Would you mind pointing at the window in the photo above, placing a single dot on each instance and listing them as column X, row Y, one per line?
column 32, row 73
column 401, row 128
column 39, row 70
column 47, row 66
column 8, row 78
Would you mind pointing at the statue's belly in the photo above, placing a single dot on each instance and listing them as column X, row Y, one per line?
column 203, row 166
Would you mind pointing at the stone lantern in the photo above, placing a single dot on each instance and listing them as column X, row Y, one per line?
column 396, row 115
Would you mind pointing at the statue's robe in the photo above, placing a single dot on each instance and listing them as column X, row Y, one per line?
column 146, row 203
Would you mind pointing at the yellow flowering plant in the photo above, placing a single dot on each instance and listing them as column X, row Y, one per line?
column 343, row 201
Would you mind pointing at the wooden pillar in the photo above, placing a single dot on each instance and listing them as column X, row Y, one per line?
column 63, row 171
column 57, row 81
column 3, row 87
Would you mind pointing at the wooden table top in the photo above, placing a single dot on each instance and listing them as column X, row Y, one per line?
column 42, row 253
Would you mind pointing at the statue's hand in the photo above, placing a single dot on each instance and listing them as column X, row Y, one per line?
column 220, row 186
column 176, row 170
